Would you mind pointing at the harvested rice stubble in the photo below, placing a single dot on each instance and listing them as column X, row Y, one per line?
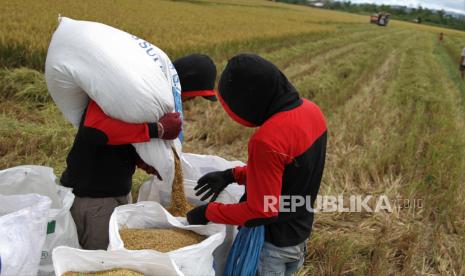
column 179, row 206
column 114, row 272
column 163, row 240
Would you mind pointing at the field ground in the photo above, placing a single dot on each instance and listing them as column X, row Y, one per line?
column 392, row 96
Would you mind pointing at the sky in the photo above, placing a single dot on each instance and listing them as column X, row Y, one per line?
column 457, row 6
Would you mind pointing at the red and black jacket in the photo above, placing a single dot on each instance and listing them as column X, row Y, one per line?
column 102, row 160
column 286, row 154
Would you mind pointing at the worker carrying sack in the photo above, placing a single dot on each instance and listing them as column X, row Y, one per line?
column 66, row 259
column 194, row 259
column 129, row 78
column 61, row 229
column 23, row 225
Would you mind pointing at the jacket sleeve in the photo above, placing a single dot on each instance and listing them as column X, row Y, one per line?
column 265, row 169
column 99, row 128
column 240, row 174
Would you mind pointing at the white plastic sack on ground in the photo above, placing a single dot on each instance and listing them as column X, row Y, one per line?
column 66, row 259
column 191, row 260
column 23, row 225
column 61, row 229
column 129, row 78
column 194, row 166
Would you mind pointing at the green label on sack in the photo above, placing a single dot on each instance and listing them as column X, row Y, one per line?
column 51, row 227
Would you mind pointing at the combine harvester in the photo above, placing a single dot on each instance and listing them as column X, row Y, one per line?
column 380, row 18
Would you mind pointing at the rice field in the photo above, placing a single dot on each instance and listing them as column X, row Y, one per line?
column 392, row 96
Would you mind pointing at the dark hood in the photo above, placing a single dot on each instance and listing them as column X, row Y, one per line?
column 252, row 89
column 197, row 74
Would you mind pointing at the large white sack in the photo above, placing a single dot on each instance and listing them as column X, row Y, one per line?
column 66, row 259
column 194, row 166
column 129, row 78
column 23, row 224
column 61, row 229
column 191, row 260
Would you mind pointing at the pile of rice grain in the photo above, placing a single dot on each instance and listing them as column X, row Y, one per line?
column 118, row 272
column 163, row 240
column 179, row 206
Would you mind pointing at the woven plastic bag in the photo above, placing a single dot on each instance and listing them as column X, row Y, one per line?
column 61, row 229
column 23, row 225
column 66, row 259
column 195, row 259
column 194, row 166
column 129, row 78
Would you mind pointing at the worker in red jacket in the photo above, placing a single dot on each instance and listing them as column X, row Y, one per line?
column 286, row 157
column 100, row 166
column 102, row 161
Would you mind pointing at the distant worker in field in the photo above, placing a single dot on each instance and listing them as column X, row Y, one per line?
column 441, row 37
column 462, row 64
column 102, row 161
column 286, row 157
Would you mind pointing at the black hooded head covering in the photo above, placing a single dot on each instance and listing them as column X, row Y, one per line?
column 197, row 74
column 252, row 89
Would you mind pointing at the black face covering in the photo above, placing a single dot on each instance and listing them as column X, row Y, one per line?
column 253, row 89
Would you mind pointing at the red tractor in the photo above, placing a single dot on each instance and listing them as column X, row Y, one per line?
column 380, row 19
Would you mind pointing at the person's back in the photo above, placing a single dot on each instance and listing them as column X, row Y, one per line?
column 100, row 166
column 96, row 169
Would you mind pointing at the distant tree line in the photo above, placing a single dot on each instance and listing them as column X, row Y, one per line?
column 419, row 15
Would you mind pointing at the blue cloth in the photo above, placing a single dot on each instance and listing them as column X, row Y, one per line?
column 176, row 90
column 245, row 252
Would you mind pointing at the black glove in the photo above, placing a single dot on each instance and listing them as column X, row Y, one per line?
column 213, row 183
column 198, row 215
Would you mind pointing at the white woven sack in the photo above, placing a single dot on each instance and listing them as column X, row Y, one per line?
column 129, row 78
column 195, row 259
column 66, row 259
column 194, row 166
column 61, row 229
column 23, row 225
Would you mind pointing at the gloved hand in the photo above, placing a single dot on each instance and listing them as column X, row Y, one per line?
column 198, row 215
column 169, row 126
column 147, row 168
column 213, row 183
